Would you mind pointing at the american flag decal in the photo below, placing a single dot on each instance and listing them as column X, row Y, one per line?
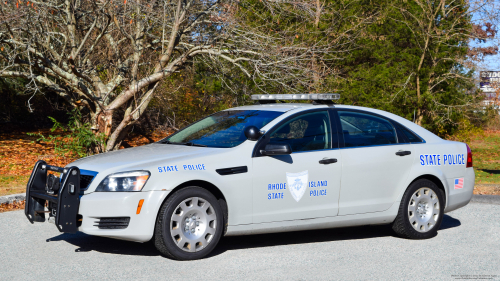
column 459, row 183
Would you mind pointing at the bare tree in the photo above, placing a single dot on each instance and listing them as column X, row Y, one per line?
column 107, row 55
column 484, row 53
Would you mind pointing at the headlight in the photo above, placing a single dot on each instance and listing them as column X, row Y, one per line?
column 127, row 181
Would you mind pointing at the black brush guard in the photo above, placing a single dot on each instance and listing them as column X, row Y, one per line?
column 62, row 205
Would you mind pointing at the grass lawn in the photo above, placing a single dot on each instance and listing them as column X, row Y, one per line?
column 18, row 154
column 13, row 184
column 486, row 158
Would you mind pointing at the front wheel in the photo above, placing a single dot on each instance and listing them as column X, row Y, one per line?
column 189, row 225
column 421, row 211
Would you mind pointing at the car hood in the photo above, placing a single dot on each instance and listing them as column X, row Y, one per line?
column 140, row 157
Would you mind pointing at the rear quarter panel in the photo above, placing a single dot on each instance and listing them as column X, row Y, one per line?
column 445, row 160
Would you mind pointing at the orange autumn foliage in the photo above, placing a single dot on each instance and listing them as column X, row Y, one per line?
column 17, row 205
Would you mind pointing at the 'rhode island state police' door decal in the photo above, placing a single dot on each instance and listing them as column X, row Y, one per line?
column 297, row 184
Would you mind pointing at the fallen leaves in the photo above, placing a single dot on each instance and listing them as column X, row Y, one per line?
column 138, row 140
column 19, row 153
column 17, row 205
column 487, row 189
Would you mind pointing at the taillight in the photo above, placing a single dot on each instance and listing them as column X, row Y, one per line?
column 469, row 157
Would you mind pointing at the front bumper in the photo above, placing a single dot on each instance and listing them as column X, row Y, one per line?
column 96, row 206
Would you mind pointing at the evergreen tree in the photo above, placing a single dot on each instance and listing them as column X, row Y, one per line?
column 411, row 62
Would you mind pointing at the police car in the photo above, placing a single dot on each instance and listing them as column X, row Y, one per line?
column 268, row 167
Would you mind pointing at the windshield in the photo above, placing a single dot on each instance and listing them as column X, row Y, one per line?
column 222, row 129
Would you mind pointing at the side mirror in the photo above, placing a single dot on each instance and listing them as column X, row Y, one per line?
column 276, row 149
column 252, row 133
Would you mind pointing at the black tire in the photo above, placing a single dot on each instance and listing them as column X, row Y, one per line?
column 163, row 239
column 403, row 226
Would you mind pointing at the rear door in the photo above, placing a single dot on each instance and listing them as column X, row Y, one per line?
column 375, row 164
column 300, row 185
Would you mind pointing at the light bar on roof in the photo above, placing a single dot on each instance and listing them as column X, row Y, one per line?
column 297, row 97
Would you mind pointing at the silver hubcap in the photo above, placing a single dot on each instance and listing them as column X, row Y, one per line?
column 423, row 210
column 193, row 224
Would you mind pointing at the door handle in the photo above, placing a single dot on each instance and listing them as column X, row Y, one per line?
column 403, row 153
column 328, row 161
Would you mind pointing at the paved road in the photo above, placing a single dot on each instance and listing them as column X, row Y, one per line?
column 467, row 244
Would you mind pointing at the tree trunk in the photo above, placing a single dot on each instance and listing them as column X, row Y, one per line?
column 318, row 13
column 316, row 75
column 104, row 124
column 418, row 115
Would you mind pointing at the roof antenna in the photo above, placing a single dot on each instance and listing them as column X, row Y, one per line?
column 414, row 116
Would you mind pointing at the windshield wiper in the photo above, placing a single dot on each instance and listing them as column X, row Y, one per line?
column 183, row 143
column 193, row 144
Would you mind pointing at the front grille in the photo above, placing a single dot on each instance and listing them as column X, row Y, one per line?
column 85, row 181
column 112, row 223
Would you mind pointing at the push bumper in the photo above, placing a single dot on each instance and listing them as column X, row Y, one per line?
column 61, row 202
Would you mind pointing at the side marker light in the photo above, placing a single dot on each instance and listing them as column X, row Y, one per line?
column 139, row 206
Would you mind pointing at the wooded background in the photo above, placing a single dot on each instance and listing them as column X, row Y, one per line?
column 112, row 68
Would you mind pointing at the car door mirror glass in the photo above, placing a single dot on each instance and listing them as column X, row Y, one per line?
column 276, row 149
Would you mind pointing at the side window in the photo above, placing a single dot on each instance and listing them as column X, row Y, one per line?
column 411, row 136
column 306, row 132
column 361, row 129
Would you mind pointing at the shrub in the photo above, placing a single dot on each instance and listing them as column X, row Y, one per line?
column 76, row 138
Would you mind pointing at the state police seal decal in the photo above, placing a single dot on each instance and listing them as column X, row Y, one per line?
column 297, row 184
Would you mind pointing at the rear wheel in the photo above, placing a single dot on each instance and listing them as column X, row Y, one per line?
column 189, row 225
column 421, row 211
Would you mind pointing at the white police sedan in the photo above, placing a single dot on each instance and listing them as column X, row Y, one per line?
column 269, row 167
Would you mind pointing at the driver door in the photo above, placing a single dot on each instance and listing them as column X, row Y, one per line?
column 298, row 186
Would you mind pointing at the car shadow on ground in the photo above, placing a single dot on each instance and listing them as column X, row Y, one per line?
column 314, row 236
column 490, row 171
column 87, row 243
column 449, row 222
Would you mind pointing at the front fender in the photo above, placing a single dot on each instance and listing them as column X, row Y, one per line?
column 236, row 188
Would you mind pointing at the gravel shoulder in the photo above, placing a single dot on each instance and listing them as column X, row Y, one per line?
column 467, row 244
